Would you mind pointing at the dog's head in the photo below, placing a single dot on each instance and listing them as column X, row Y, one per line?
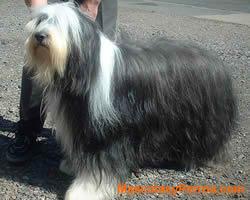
column 61, row 42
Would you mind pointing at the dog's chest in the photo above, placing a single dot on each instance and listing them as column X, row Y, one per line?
column 63, row 132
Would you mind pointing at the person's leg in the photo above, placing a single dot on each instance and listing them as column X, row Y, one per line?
column 107, row 17
column 31, row 121
column 30, row 105
column 21, row 149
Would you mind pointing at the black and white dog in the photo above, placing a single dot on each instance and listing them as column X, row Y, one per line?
column 118, row 107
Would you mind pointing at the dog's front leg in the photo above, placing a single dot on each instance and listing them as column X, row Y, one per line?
column 65, row 167
column 88, row 186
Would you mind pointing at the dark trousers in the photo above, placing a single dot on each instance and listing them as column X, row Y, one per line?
column 31, row 94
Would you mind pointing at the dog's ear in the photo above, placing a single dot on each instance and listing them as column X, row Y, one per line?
column 83, row 62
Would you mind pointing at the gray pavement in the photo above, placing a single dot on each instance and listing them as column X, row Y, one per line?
column 234, row 11
column 40, row 179
column 223, row 5
column 228, row 5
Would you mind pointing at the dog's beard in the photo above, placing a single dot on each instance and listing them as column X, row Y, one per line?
column 47, row 59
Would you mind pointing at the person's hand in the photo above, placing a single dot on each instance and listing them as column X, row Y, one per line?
column 35, row 3
column 91, row 7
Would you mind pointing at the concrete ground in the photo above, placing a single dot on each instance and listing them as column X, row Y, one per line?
column 221, row 10
column 40, row 178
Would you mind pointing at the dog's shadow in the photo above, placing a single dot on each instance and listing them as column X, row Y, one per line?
column 42, row 171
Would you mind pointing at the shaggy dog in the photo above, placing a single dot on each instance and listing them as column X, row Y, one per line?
column 121, row 106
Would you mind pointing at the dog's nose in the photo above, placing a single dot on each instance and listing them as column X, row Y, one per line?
column 40, row 37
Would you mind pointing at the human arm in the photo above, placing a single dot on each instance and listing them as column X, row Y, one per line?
column 91, row 7
column 34, row 3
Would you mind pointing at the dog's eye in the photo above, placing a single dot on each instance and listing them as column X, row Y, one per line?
column 41, row 18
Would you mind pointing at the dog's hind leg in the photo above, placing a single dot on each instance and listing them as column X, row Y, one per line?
column 92, row 187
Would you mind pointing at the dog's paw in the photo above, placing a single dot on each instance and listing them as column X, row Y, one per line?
column 65, row 168
column 88, row 189
column 85, row 194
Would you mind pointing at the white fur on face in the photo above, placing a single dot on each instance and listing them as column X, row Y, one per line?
column 65, row 19
column 101, row 96
column 50, row 59
column 46, row 61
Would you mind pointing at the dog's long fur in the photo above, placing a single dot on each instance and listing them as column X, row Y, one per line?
column 118, row 107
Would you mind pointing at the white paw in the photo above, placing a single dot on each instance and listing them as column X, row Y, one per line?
column 84, row 195
column 86, row 188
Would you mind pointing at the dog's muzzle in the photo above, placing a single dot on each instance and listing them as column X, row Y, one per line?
column 40, row 37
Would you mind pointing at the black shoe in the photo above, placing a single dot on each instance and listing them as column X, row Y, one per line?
column 23, row 147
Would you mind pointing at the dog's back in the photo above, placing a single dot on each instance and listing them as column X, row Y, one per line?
column 178, row 100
